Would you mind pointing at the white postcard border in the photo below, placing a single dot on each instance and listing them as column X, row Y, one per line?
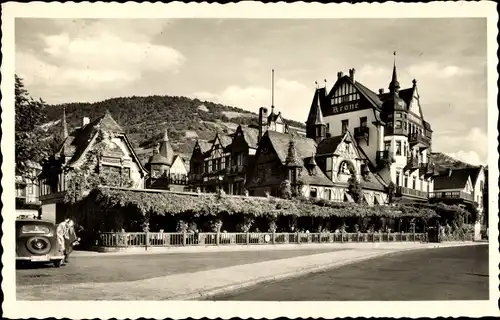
column 181, row 309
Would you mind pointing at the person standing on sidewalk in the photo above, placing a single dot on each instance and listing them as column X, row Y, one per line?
column 70, row 240
column 61, row 233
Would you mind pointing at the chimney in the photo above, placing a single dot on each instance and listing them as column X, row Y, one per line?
column 351, row 73
column 381, row 91
column 340, row 74
column 262, row 121
column 86, row 121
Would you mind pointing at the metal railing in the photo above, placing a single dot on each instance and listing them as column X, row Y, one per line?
column 412, row 192
column 452, row 195
column 164, row 239
column 417, row 137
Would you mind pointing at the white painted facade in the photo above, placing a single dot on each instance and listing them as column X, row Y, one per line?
column 397, row 145
column 126, row 160
column 478, row 189
column 334, row 127
column 178, row 168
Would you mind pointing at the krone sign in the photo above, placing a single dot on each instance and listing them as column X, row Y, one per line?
column 345, row 108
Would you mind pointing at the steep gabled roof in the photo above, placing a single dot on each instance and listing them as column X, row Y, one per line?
column 79, row 140
column 251, row 136
column 457, row 180
column 368, row 94
column 329, row 145
column 315, row 114
column 371, row 96
column 304, row 148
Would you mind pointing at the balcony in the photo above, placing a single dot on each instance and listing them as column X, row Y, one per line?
column 426, row 169
column 384, row 159
column 195, row 176
column 459, row 195
column 403, row 191
column 419, row 140
column 412, row 163
column 362, row 133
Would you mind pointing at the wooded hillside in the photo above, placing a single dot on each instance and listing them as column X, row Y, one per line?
column 145, row 118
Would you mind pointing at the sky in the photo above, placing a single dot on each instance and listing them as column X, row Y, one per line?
column 230, row 61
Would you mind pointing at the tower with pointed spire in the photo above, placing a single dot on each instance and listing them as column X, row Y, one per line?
column 160, row 162
column 388, row 127
column 315, row 125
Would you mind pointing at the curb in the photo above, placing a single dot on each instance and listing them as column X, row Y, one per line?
column 233, row 248
column 301, row 272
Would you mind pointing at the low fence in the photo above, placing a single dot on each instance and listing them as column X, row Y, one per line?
column 163, row 239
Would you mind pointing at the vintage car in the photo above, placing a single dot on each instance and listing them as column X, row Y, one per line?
column 36, row 242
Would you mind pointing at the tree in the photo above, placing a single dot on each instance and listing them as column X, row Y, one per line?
column 286, row 189
column 355, row 189
column 32, row 143
column 391, row 191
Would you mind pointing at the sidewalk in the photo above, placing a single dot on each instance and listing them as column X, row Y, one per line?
column 198, row 285
column 226, row 248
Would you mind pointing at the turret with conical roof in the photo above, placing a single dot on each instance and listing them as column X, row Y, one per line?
column 166, row 148
column 315, row 125
column 394, row 101
column 163, row 156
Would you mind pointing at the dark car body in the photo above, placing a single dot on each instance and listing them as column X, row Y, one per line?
column 36, row 241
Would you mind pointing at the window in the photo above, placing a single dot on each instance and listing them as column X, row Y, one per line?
column 404, row 149
column 398, row 148
column 398, row 115
column 345, row 125
column 328, row 194
column 398, row 174
column 328, row 128
column 214, row 165
column 219, row 164
column 387, row 146
column 398, row 124
column 156, row 173
column 406, row 182
column 30, row 189
column 206, row 167
column 313, row 193
column 414, row 183
column 363, row 122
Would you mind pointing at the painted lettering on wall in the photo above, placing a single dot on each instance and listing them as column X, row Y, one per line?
column 345, row 108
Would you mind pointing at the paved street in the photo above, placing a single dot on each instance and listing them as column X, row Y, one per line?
column 439, row 274
column 119, row 268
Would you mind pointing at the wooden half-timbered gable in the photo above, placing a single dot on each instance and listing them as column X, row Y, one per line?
column 116, row 157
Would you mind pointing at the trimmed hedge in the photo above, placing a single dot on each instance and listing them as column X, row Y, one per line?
column 163, row 203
